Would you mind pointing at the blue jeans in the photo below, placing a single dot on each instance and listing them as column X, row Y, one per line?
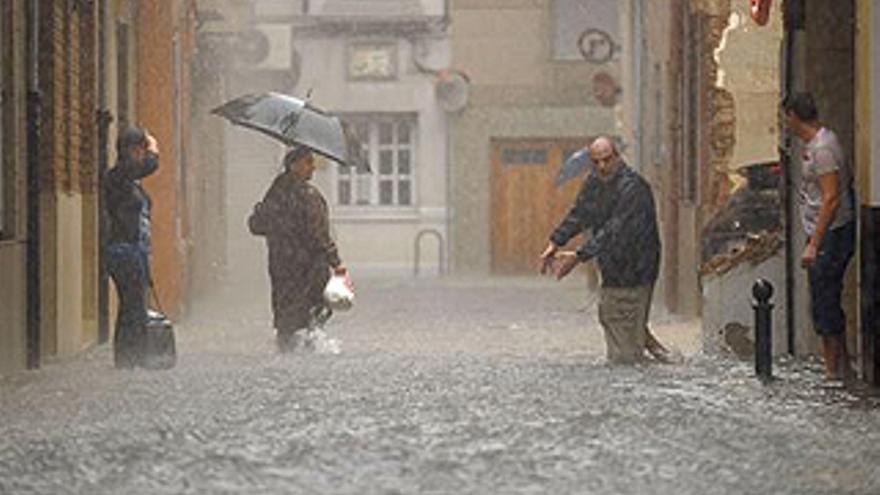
column 826, row 279
column 128, row 265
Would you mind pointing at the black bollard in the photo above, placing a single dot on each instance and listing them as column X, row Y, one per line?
column 762, row 290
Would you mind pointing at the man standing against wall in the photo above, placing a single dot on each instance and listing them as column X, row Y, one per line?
column 617, row 204
column 827, row 206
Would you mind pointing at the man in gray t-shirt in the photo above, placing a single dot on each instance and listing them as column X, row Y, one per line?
column 827, row 204
column 822, row 155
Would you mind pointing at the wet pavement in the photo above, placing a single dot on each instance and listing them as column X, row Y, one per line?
column 442, row 386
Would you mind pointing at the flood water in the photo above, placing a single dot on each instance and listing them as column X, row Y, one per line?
column 442, row 386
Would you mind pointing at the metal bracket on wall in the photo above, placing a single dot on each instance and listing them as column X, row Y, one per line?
column 417, row 248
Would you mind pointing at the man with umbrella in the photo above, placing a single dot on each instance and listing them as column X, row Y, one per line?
column 293, row 215
column 618, row 206
column 294, row 219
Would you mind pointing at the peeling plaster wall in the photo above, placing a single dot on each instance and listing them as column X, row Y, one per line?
column 743, row 129
column 748, row 68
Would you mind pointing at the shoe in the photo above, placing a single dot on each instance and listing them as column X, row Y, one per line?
column 665, row 356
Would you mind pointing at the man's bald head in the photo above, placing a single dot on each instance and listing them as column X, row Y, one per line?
column 603, row 152
column 603, row 144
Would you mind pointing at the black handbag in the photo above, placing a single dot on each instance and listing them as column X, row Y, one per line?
column 157, row 349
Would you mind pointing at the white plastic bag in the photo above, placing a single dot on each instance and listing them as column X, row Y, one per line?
column 339, row 294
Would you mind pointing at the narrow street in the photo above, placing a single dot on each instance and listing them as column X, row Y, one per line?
column 442, row 386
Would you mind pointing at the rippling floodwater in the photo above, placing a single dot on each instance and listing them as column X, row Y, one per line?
column 441, row 387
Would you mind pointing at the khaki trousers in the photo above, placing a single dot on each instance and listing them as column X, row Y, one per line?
column 623, row 313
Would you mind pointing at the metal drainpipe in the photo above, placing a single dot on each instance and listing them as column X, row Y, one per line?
column 793, row 20
column 446, row 265
column 34, row 103
column 638, row 26
column 104, row 118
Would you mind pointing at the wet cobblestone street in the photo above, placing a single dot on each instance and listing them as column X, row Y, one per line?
column 443, row 386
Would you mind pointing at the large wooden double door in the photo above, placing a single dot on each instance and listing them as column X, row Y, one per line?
column 526, row 205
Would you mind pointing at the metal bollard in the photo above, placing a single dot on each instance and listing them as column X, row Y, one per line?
column 762, row 290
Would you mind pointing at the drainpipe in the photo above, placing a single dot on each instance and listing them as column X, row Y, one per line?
column 638, row 36
column 34, row 103
column 104, row 118
column 794, row 22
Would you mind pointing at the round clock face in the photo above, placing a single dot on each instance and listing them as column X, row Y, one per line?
column 371, row 62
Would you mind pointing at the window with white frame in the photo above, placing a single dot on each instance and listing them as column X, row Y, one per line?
column 388, row 143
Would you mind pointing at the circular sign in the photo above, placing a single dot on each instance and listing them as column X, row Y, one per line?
column 596, row 46
column 452, row 90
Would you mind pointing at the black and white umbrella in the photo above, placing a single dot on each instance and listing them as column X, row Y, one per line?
column 294, row 122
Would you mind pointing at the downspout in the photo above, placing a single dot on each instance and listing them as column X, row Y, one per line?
column 638, row 36
column 34, row 104
column 104, row 118
column 446, row 265
column 793, row 22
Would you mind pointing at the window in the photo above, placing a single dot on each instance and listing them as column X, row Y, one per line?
column 586, row 30
column 524, row 156
column 388, row 144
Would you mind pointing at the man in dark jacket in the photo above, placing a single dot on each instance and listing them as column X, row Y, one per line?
column 616, row 203
column 127, row 250
column 294, row 219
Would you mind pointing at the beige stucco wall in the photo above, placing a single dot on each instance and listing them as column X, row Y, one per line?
column 517, row 90
column 73, row 333
column 380, row 239
column 13, row 250
column 867, row 146
column 13, row 309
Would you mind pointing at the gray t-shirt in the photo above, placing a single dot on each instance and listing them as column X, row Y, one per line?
column 824, row 154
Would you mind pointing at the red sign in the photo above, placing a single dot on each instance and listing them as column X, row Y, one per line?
column 605, row 89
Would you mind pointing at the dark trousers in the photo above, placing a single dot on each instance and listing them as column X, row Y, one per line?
column 128, row 267
column 826, row 279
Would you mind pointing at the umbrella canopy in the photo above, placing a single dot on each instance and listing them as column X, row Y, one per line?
column 292, row 121
column 576, row 164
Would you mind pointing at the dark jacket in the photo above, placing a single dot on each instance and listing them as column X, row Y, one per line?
column 125, row 200
column 621, row 214
column 294, row 218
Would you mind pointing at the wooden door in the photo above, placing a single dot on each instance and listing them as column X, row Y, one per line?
column 526, row 205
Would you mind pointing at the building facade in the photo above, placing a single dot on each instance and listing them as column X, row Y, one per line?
column 544, row 78
column 867, row 159
column 376, row 64
column 712, row 85
column 73, row 73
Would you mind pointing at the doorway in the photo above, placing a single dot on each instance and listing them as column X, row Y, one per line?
column 526, row 205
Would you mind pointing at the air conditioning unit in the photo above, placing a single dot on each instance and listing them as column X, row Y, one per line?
column 266, row 47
